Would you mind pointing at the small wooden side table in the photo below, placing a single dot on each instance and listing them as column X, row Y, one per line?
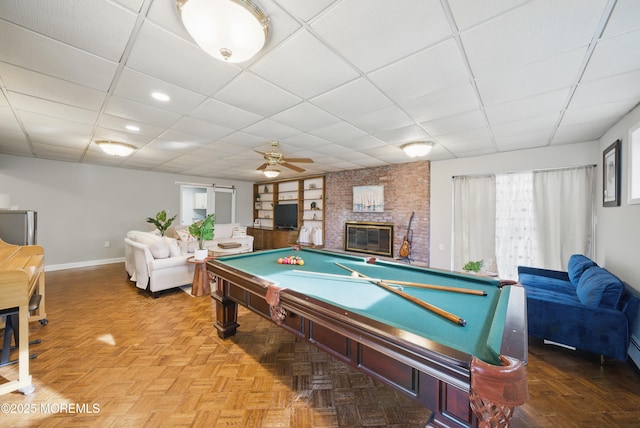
column 201, row 285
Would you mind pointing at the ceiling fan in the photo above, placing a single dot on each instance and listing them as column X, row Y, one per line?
column 275, row 158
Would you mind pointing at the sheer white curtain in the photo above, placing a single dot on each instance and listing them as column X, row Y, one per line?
column 514, row 223
column 563, row 215
column 474, row 221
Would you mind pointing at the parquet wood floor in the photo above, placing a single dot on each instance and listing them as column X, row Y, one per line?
column 112, row 356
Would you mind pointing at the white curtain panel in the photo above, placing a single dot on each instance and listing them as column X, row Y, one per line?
column 474, row 224
column 514, row 223
column 563, row 215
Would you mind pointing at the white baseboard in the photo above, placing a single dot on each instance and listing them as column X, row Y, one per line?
column 634, row 350
column 49, row 268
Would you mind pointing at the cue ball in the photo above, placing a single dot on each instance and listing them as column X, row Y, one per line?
column 354, row 274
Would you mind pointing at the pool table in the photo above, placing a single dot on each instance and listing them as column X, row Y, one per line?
column 391, row 337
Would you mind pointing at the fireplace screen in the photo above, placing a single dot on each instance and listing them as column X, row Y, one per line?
column 367, row 237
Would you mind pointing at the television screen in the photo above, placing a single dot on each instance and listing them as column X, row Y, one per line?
column 285, row 216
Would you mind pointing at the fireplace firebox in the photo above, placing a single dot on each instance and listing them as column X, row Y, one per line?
column 369, row 237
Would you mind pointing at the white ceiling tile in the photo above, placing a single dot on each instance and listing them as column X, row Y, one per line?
column 338, row 132
column 624, row 18
column 55, row 128
column 8, row 120
column 471, row 135
column 38, row 85
column 428, row 71
column 305, row 10
column 139, row 112
column 529, row 33
column 524, row 126
column 582, row 132
column 468, row 14
column 49, row 108
column 306, row 117
column 272, row 128
column 120, row 124
column 304, row 66
column 441, row 104
column 346, row 101
column 388, row 118
column 363, row 143
column 224, row 114
column 402, row 135
column 456, row 123
column 603, row 91
column 179, row 61
column 202, row 128
column 612, row 111
column 536, row 105
column 58, row 152
column 33, row 51
column 100, row 27
column 547, row 75
column 139, row 87
column 255, row 95
column 375, row 33
column 611, row 56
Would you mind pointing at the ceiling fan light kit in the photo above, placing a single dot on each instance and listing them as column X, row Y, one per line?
column 271, row 173
column 115, row 148
column 274, row 158
column 418, row 148
column 229, row 30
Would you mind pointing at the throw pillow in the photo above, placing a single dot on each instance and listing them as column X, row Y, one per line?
column 577, row 265
column 598, row 287
column 184, row 235
column 159, row 249
column 174, row 248
column 239, row 232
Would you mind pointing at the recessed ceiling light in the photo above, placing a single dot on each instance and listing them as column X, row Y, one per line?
column 132, row 128
column 160, row 96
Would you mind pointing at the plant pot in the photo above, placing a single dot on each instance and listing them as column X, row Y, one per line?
column 200, row 254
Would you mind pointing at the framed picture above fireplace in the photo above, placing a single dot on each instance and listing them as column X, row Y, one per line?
column 368, row 199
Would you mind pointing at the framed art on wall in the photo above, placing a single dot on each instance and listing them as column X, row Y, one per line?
column 611, row 175
column 368, row 199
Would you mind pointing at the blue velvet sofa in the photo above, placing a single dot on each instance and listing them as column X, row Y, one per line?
column 587, row 307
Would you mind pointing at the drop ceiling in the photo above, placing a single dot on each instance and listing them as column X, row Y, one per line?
column 345, row 82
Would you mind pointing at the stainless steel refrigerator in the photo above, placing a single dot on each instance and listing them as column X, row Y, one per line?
column 19, row 227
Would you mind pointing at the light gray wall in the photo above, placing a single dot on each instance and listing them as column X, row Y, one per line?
column 618, row 229
column 442, row 173
column 81, row 206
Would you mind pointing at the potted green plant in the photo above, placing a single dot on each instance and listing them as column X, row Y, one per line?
column 203, row 230
column 161, row 221
column 473, row 266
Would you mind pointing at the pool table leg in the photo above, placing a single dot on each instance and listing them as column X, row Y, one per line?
column 226, row 312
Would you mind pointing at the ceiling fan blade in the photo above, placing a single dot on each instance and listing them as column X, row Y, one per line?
column 298, row 160
column 293, row 167
column 261, row 167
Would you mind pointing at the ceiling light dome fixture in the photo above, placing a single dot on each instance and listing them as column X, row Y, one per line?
column 271, row 172
column 114, row 148
column 418, row 148
column 228, row 30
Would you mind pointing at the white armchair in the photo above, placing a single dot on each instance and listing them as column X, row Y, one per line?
column 154, row 266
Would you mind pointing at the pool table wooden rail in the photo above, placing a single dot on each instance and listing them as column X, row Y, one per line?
column 435, row 375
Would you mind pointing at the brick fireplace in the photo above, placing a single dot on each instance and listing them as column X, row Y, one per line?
column 369, row 237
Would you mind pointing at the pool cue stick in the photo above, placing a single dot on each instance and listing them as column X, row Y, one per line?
column 407, row 283
column 437, row 287
column 451, row 317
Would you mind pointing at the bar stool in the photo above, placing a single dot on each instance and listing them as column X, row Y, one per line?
column 12, row 327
